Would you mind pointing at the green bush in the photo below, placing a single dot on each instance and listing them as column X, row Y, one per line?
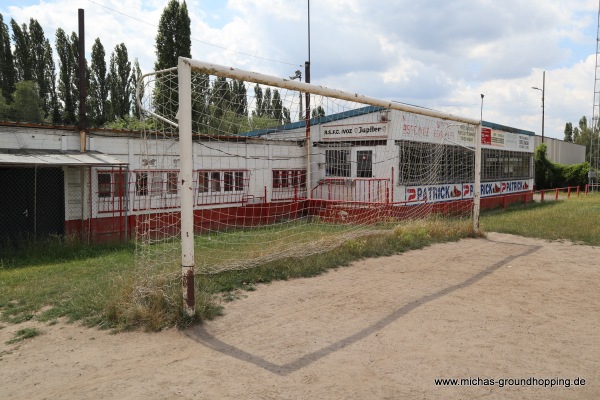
column 549, row 175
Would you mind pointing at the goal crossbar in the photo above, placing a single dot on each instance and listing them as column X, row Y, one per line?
column 255, row 77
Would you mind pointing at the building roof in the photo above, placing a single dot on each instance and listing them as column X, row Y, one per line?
column 354, row 113
column 55, row 158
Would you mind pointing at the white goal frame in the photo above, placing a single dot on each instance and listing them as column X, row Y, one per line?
column 184, row 116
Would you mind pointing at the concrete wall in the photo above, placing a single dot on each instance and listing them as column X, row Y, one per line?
column 562, row 152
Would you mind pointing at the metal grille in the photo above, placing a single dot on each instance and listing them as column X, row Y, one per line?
column 32, row 205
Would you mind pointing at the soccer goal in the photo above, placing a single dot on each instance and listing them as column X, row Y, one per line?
column 239, row 168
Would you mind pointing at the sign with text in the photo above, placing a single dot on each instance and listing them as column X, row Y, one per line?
column 461, row 191
column 376, row 130
column 486, row 136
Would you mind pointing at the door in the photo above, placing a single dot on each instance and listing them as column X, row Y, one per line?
column 32, row 204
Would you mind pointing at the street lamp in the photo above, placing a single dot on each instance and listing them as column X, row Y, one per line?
column 299, row 77
column 481, row 112
column 543, row 90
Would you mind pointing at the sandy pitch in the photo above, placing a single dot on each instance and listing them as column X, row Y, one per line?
column 501, row 307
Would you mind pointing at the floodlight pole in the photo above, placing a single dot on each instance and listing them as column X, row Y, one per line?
column 543, row 90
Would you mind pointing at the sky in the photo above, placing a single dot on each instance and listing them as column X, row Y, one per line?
column 437, row 54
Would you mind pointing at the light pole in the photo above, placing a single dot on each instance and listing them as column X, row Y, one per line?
column 299, row 77
column 477, row 174
column 543, row 90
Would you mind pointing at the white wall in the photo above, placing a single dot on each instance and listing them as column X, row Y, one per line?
column 562, row 152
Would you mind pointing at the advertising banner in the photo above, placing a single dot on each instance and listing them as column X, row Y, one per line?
column 461, row 191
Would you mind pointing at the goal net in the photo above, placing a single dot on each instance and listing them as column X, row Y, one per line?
column 279, row 168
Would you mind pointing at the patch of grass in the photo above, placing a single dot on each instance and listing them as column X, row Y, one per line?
column 575, row 219
column 23, row 334
column 55, row 250
column 100, row 286
column 76, row 289
column 406, row 236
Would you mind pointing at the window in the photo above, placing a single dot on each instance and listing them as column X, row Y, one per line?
column 215, row 182
column 220, row 181
column 295, row 178
column 337, row 163
column 112, row 184
column 502, row 165
column 104, row 185
column 203, row 182
column 228, row 179
column 120, row 187
column 299, row 178
column 239, row 181
column 156, row 183
column 416, row 162
column 429, row 164
column 141, row 183
column 457, row 164
column 172, row 182
column 364, row 164
column 112, row 190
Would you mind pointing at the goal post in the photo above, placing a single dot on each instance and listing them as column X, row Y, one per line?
column 185, row 185
column 235, row 171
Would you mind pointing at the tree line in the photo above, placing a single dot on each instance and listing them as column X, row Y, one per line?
column 33, row 89
column 36, row 87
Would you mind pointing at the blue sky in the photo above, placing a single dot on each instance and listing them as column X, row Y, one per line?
column 433, row 53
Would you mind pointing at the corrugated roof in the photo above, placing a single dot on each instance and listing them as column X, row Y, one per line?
column 55, row 157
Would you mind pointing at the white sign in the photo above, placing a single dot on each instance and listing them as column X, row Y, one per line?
column 375, row 130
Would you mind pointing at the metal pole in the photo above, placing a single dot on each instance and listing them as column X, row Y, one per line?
column 543, row 99
column 307, row 103
column 477, row 183
column 308, row 35
column 543, row 90
column 35, row 186
column 187, row 186
column 82, row 82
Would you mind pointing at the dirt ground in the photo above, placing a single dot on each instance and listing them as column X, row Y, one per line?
column 499, row 308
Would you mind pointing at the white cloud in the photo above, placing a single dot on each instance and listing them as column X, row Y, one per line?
column 434, row 53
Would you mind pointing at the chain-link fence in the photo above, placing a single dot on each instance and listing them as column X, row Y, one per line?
column 62, row 203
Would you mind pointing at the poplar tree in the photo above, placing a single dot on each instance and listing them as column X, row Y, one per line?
column 173, row 40
column 67, row 94
column 317, row 112
column 120, row 82
column 238, row 98
column 277, row 107
column 136, row 74
column 74, row 43
column 40, row 64
column 22, row 52
column 50, row 77
column 568, row 132
column 7, row 66
column 258, row 97
column 98, row 90
column 267, row 110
